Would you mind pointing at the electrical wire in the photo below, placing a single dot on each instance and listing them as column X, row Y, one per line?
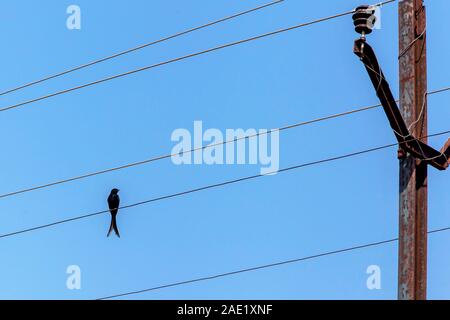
column 213, row 186
column 116, row 55
column 158, row 158
column 231, row 44
column 404, row 51
column 261, row 267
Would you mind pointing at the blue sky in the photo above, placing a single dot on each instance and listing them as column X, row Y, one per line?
column 295, row 76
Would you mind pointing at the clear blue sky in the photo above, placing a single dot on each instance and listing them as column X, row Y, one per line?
column 299, row 75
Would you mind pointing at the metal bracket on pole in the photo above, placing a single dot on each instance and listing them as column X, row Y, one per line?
column 407, row 142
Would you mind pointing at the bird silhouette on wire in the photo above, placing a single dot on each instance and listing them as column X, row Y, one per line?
column 113, row 204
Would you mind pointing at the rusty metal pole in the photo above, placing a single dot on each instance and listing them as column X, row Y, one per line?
column 412, row 273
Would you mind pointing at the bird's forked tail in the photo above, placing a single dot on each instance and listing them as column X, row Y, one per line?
column 113, row 226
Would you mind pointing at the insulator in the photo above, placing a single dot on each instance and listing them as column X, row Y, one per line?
column 364, row 19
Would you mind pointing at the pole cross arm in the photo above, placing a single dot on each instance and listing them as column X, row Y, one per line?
column 409, row 143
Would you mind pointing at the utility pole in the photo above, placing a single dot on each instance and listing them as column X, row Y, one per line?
column 412, row 259
column 409, row 125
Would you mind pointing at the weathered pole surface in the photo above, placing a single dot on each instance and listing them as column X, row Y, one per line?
column 412, row 273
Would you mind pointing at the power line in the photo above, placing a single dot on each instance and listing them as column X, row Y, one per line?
column 266, row 266
column 158, row 158
column 212, row 186
column 231, row 44
column 116, row 55
column 438, row 90
column 412, row 43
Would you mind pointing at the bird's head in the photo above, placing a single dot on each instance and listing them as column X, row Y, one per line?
column 115, row 191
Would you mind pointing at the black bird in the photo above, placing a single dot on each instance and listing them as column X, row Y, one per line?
column 113, row 204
